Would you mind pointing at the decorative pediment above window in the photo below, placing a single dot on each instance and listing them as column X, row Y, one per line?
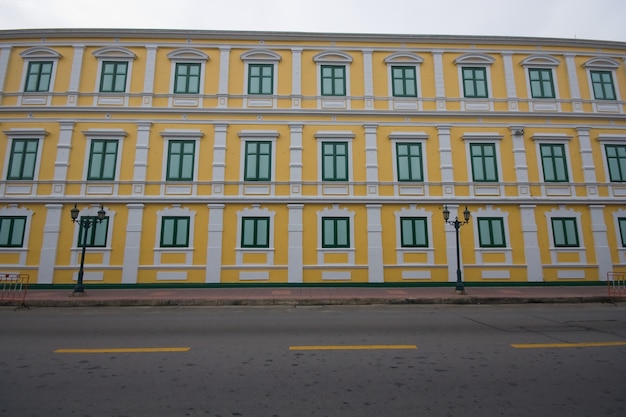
column 260, row 55
column 474, row 59
column 114, row 52
column 540, row 61
column 332, row 57
column 40, row 53
column 404, row 58
column 187, row 55
column 601, row 63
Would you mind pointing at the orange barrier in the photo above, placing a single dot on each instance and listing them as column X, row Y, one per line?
column 13, row 288
column 616, row 282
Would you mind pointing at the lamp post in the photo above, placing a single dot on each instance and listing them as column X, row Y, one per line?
column 85, row 223
column 460, row 288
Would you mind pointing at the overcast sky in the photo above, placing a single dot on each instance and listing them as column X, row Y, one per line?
column 582, row 19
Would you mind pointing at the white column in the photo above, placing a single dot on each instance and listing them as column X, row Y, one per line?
column 519, row 157
column 50, row 243
column 371, row 158
column 219, row 158
column 368, row 78
column 295, row 159
column 451, row 244
column 214, row 243
column 440, row 89
column 586, row 155
column 63, row 157
column 222, row 92
column 295, row 229
column 296, row 78
column 445, row 159
column 600, row 241
column 534, row 270
column 148, row 78
column 5, row 52
column 375, row 268
column 77, row 66
column 574, row 87
column 509, row 77
column 141, row 157
column 132, row 248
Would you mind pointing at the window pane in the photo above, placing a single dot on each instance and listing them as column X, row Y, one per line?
column 622, row 229
column 181, row 231
column 167, row 232
column 261, row 233
column 248, row 232
column 408, row 238
column 342, row 232
column 5, row 231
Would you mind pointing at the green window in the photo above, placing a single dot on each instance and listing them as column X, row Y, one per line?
column 102, row 160
column 180, row 160
column 409, row 161
column 335, row 161
column 475, row 82
column 565, row 232
column 541, row 83
column 23, row 159
column 113, row 77
column 484, row 164
column 491, row 232
column 255, row 232
column 602, row 82
column 404, row 81
column 554, row 163
column 96, row 235
column 12, row 231
column 622, row 230
column 261, row 79
column 258, row 161
column 174, row 232
column 38, row 76
column 187, row 78
column 335, row 232
column 414, row 232
column 616, row 159
column 333, row 80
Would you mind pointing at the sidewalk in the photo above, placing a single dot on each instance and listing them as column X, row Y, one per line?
column 307, row 296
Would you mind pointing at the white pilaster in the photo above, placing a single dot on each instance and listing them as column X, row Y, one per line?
column 219, row 158
column 519, row 157
column 601, row 241
column 295, row 228
column 586, row 155
column 50, row 243
column 451, row 244
column 141, row 157
column 534, row 270
column 148, row 80
column 509, row 77
column 445, row 160
column 5, row 52
column 296, row 78
column 371, row 158
column 133, row 244
column 368, row 78
column 214, row 243
column 63, row 157
column 295, row 159
column 440, row 90
column 572, row 77
column 375, row 269
column 77, row 66
column 222, row 92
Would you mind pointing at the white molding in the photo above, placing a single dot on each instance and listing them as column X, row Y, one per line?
column 255, row 211
column 479, row 251
column 335, row 211
column 554, row 251
column 180, row 187
column 22, row 251
column 92, row 211
column 23, row 187
column 429, row 251
column 178, row 211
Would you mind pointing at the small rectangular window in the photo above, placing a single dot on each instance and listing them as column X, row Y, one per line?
column 404, row 82
column 554, row 163
column 622, row 230
column 414, row 232
column 261, row 79
column 38, row 76
column 409, row 161
column 102, row 160
column 335, row 161
column 603, row 88
column 541, row 83
column 12, row 230
column 616, row 160
column 174, row 232
column 333, row 80
column 187, row 78
column 336, row 232
column 484, row 163
column 475, row 82
column 255, row 232
column 258, row 161
column 180, row 160
column 113, row 77
column 565, row 232
column 23, row 159
column 491, row 232
column 96, row 233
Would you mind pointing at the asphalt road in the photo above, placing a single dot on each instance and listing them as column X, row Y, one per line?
column 537, row 360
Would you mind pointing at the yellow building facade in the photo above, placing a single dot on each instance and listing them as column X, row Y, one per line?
column 289, row 158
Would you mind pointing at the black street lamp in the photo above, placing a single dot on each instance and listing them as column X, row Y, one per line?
column 460, row 288
column 85, row 223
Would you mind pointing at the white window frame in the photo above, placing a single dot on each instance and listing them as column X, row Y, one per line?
column 260, row 56
column 542, row 62
column 617, row 189
column 479, row 251
column 255, row 210
column 335, row 211
column 408, row 188
column 257, row 187
column 108, row 54
column 12, row 210
column 180, row 187
column 414, row 211
column 554, row 189
column 554, row 251
column 175, row 211
column 618, row 243
column 404, row 59
column 610, row 65
column 105, row 187
column 475, row 60
column 22, row 187
column 333, row 58
column 38, row 98
column 187, row 56
column 484, row 188
column 335, row 187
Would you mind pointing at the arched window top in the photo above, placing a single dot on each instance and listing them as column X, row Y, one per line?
column 40, row 52
column 115, row 52
column 404, row 58
column 601, row 63
column 540, row 61
column 187, row 54
column 474, row 59
column 332, row 57
column 260, row 55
